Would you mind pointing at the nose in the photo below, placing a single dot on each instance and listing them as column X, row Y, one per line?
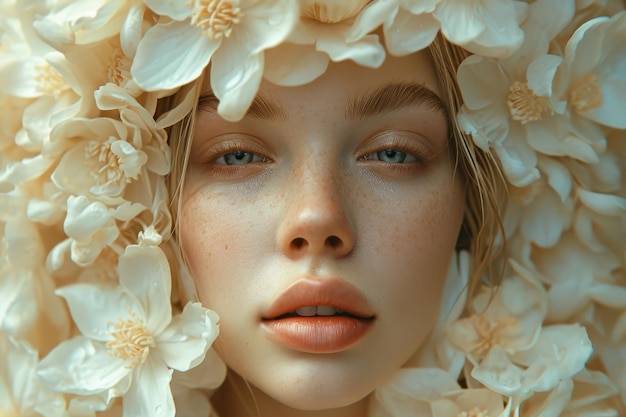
column 315, row 221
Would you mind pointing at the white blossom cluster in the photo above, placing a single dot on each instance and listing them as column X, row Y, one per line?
column 89, row 322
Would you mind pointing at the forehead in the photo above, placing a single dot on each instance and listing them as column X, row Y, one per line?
column 348, row 91
column 345, row 80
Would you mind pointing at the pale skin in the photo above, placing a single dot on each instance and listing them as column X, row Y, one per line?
column 323, row 189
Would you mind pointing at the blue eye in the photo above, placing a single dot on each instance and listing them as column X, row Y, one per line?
column 392, row 156
column 239, row 158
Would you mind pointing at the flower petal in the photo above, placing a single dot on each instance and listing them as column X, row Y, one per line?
column 170, row 55
column 605, row 204
column 545, row 230
column 292, row 64
column 402, row 38
column 235, row 79
column 458, row 22
column 367, row 51
column 184, row 343
column 372, row 16
column 497, row 373
column 94, row 308
column 519, row 162
column 131, row 32
column 80, row 366
column 266, row 24
column 20, row 77
column 561, row 352
column 177, row 10
column 144, row 270
column 540, row 74
column 611, row 112
column 209, row 374
column 150, row 393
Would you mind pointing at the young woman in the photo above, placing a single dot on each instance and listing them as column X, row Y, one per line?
column 373, row 209
column 342, row 195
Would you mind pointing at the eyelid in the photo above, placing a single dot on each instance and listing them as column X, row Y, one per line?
column 404, row 141
column 222, row 145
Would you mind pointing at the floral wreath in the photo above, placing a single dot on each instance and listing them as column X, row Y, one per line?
column 84, row 205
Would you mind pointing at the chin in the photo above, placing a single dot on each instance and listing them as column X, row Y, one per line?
column 316, row 396
column 322, row 383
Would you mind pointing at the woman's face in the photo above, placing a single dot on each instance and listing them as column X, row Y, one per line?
column 340, row 193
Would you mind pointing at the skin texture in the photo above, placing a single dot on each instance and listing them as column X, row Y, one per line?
column 316, row 202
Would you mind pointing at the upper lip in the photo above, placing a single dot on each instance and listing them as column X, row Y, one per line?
column 320, row 291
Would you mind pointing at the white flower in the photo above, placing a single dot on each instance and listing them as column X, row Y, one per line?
column 21, row 391
column 559, row 353
column 232, row 35
column 592, row 79
column 486, row 85
column 508, row 103
column 91, row 226
column 103, row 157
column 431, row 392
column 510, row 319
column 327, row 31
column 118, row 164
column 130, row 342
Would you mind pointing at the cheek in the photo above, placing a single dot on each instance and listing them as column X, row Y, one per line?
column 212, row 229
column 413, row 256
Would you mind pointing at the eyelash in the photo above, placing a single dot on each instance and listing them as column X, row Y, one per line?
column 229, row 147
column 399, row 144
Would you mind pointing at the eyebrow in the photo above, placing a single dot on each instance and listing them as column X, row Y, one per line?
column 262, row 107
column 394, row 96
column 382, row 99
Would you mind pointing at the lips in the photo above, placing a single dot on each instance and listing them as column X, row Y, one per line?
column 319, row 316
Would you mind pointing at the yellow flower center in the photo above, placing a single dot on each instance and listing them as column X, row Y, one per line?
column 49, row 81
column 330, row 11
column 119, row 68
column 524, row 105
column 474, row 412
column 216, row 18
column 585, row 94
column 105, row 163
column 493, row 332
column 130, row 341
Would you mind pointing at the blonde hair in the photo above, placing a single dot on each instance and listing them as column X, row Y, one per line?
column 486, row 190
column 482, row 231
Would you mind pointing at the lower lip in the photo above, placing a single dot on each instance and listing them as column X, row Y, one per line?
column 318, row 334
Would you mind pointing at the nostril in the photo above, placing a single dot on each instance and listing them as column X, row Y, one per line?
column 333, row 241
column 298, row 243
